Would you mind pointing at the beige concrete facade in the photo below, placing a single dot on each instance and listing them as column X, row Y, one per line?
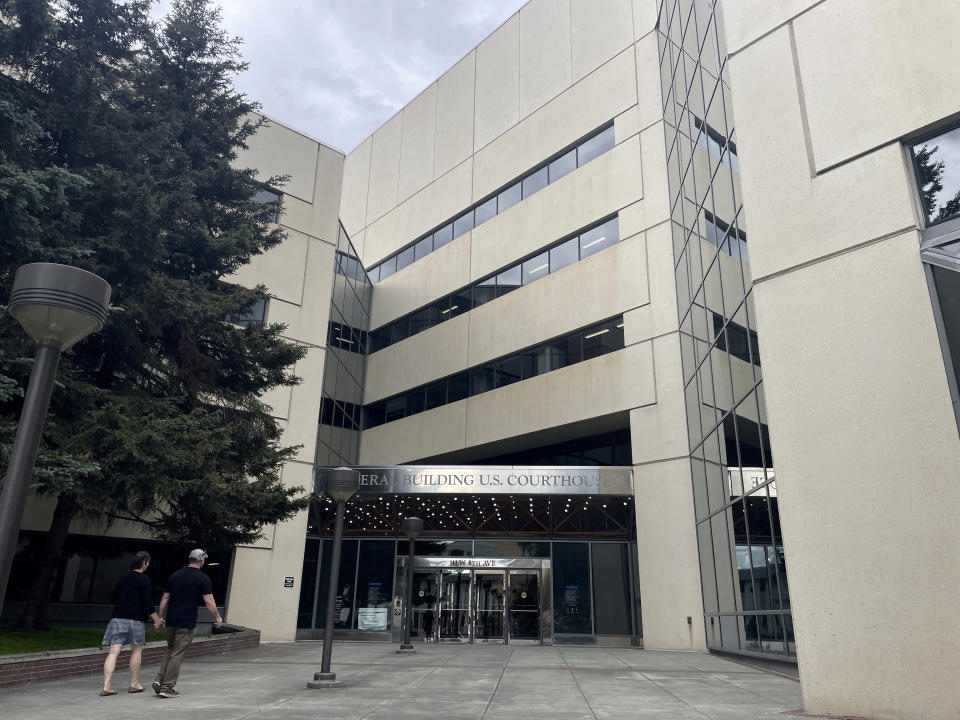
column 826, row 95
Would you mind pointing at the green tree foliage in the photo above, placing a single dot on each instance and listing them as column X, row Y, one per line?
column 930, row 176
column 118, row 142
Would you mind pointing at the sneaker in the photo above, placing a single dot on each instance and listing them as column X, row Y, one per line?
column 169, row 693
column 156, row 686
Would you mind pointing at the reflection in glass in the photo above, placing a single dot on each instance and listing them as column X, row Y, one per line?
column 509, row 280
column 595, row 146
column 442, row 236
column 600, row 237
column 536, row 268
column 565, row 254
column 486, row 210
column 571, row 588
column 509, row 197
column 534, row 182
column 937, row 163
column 563, row 165
column 462, row 224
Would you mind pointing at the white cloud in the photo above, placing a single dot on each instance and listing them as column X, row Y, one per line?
column 338, row 69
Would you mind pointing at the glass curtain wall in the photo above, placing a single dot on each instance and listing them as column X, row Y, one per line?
column 338, row 430
column 745, row 593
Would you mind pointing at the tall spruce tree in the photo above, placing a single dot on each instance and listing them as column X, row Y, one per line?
column 119, row 156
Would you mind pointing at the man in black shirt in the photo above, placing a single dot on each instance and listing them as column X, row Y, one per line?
column 133, row 606
column 186, row 589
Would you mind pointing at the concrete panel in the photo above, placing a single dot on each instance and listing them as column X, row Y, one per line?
column 435, row 204
column 356, row 178
column 418, row 436
column 626, row 124
column 659, row 432
column 599, row 188
column 544, row 52
column 649, row 99
column 747, row 20
column 583, row 108
column 279, row 150
column 878, row 437
column 257, row 597
column 435, row 353
column 655, row 206
column 660, row 315
column 417, row 142
column 384, row 168
column 601, row 29
column 795, row 218
column 455, row 98
column 668, row 564
column 281, row 268
column 644, row 17
column 614, row 281
column 326, row 195
column 305, row 405
column 611, row 383
column 498, row 83
column 884, row 95
column 438, row 274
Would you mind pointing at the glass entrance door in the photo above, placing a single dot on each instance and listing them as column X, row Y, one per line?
column 424, row 619
column 455, row 605
column 523, row 611
column 489, row 605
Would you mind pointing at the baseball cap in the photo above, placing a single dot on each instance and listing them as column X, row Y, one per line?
column 198, row 554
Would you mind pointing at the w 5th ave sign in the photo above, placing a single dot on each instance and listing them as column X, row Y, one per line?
column 490, row 480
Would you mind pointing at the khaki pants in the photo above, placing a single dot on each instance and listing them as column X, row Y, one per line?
column 177, row 641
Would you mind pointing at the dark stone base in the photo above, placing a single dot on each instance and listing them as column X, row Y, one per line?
column 406, row 650
column 324, row 680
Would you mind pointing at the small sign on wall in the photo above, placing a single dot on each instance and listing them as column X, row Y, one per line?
column 288, row 582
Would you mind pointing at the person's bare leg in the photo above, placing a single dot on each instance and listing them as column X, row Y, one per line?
column 135, row 657
column 110, row 664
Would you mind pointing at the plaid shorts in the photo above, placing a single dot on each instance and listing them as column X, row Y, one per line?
column 121, row 631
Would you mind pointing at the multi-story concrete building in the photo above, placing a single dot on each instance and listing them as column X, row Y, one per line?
column 537, row 301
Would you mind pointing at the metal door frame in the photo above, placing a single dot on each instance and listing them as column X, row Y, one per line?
column 538, row 572
column 540, row 566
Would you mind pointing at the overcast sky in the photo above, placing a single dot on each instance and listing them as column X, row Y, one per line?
column 338, row 69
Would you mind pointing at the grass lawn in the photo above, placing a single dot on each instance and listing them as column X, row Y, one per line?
column 18, row 640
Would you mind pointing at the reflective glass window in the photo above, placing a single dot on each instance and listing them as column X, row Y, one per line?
column 374, row 274
column 396, row 408
column 458, row 387
column 423, row 319
column 563, row 165
column 509, row 197
column 485, row 211
column 375, row 584
column 388, row 268
column 597, row 145
column 534, row 182
column 483, row 378
column 937, row 163
column 399, row 330
column 611, row 588
column 463, row 223
column 565, row 254
column 600, row 237
column 308, row 581
column 424, row 247
column 508, row 280
column 404, row 258
column 484, row 291
column 436, row 395
column 442, row 236
column 572, row 610
column 459, row 303
column 536, row 268
column 510, row 371
column 375, row 414
column 604, row 338
column 415, row 401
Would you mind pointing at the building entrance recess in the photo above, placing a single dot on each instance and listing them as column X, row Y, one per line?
column 478, row 600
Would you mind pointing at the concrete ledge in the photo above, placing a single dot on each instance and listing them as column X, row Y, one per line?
column 61, row 664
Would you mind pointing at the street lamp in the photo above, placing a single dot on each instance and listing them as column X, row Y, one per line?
column 58, row 306
column 341, row 483
column 412, row 526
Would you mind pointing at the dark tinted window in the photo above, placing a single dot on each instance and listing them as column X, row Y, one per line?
column 508, row 280
column 484, row 291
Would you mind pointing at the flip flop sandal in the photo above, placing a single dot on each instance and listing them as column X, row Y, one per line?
column 105, row 693
column 132, row 689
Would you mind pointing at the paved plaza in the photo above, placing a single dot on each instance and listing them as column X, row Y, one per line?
column 438, row 681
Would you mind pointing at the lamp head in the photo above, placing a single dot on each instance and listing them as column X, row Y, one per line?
column 412, row 526
column 341, row 483
column 58, row 304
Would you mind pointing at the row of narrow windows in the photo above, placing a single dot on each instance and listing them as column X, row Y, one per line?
column 546, row 173
column 570, row 349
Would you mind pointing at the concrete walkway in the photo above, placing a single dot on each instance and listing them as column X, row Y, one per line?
column 439, row 681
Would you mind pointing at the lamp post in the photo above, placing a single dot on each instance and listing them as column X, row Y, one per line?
column 412, row 526
column 58, row 306
column 341, row 484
